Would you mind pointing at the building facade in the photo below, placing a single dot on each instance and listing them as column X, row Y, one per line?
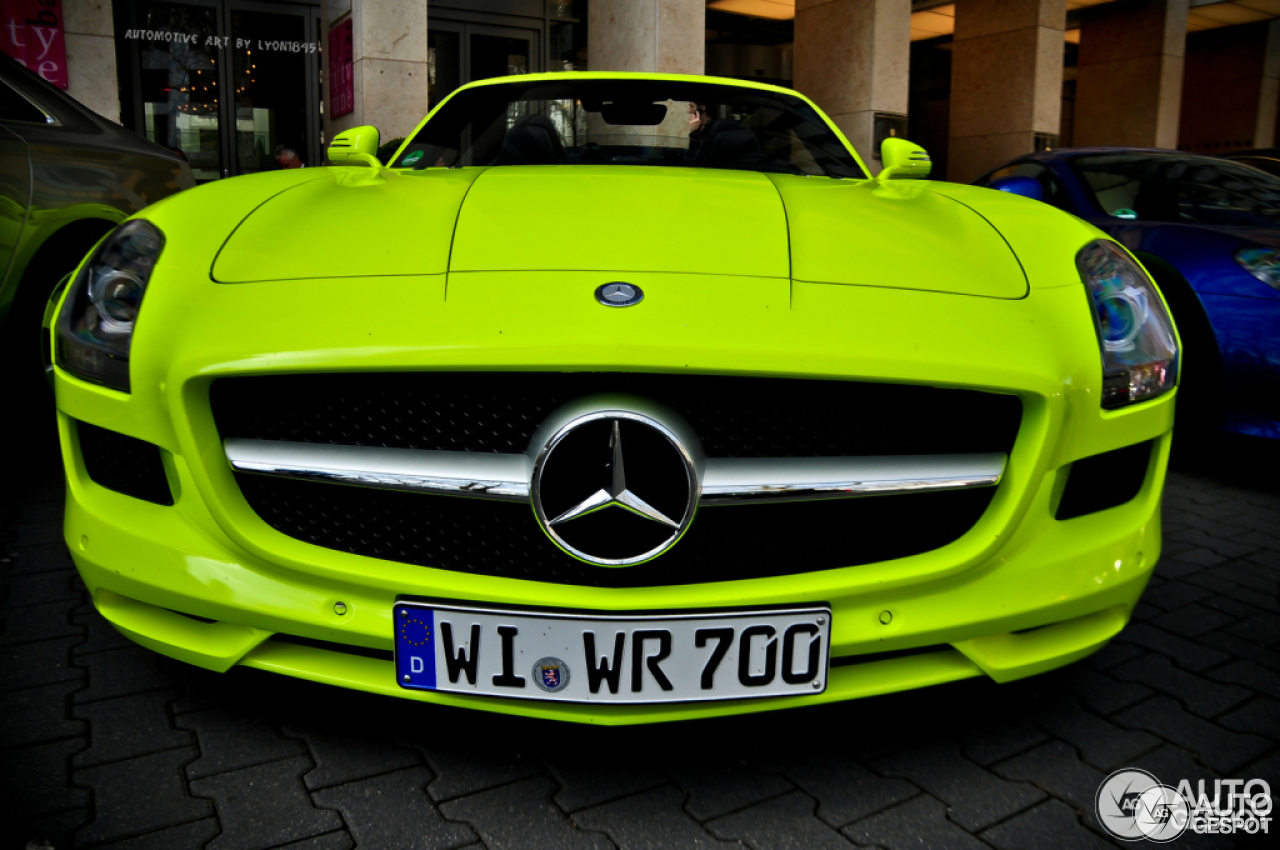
column 229, row 82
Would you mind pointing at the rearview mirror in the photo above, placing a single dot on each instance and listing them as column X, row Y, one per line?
column 357, row 146
column 903, row 159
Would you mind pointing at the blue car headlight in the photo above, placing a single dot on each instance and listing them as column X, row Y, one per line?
column 95, row 327
column 1139, row 347
column 1262, row 263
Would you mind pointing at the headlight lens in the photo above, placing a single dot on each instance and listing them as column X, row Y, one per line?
column 1139, row 348
column 95, row 328
column 1262, row 263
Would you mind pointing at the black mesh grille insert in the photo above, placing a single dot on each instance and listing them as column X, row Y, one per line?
column 124, row 464
column 1105, row 481
column 499, row 412
column 503, row 538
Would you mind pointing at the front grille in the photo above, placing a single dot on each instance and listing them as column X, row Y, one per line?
column 503, row 539
column 499, row 412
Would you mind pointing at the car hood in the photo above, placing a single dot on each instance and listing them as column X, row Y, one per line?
column 619, row 219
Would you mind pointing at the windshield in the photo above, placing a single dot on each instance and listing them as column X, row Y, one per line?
column 629, row 122
column 1169, row 187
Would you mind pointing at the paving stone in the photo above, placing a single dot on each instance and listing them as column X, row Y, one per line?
column 1101, row 692
column 1260, row 717
column 1057, row 768
column 342, row 755
column 1100, row 742
column 40, row 587
column 845, row 790
column 1113, row 654
column 1249, row 674
column 99, row 634
column 187, row 835
column 1188, row 655
column 1171, row 764
column 919, row 824
column 127, row 727
column 996, row 740
column 717, row 788
column 1192, row 620
column 1033, row 827
column 121, row 672
column 1200, row 695
column 263, row 806
column 652, row 820
column 121, row 811
column 1232, row 607
column 1173, row 595
column 462, row 771
column 329, row 841
column 783, row 823
column 1220, row 748
column 33, row 781
column 233, row 738
column 48, row 831
column 520, row 816
column 203, row 688
column 30, row 623
column 589, row 781
column 26, row 534
column 1240, row 648
column 392, row 810
column 977, row 798
column 38, row 715
column 34, row 664
column 1261, row 629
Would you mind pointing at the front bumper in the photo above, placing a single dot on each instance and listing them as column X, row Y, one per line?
column 1020, row 593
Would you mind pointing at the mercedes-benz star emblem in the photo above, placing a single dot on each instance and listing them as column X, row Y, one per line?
column 619, row 294
column 615, row 488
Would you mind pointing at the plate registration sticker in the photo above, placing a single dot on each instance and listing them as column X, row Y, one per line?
column 629, row 658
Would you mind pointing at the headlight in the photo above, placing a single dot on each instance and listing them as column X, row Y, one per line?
column 96, row 325
column 1139, row 349
column 1262, row 263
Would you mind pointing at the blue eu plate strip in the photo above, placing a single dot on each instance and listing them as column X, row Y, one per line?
column 415, row 647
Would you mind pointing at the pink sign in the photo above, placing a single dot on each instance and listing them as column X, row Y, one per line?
column 342, row 70
column 31, row 33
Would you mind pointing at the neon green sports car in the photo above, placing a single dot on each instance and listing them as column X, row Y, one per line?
column 614, row 398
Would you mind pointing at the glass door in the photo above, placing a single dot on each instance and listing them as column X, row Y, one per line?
column 226, row 83
column 460, row 52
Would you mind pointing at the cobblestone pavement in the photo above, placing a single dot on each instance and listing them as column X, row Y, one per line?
column 103, row 743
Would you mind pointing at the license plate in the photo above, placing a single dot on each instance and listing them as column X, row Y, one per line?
column 634, row 658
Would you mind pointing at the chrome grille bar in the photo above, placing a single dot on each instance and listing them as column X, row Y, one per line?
column 477, row 474
column 507, row 476
column 761, row 480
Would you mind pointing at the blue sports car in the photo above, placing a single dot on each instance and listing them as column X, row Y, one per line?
column 1208, row 230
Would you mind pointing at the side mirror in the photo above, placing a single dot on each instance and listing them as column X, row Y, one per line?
column 1027, row 187
column 357, row 146
column 903, row 159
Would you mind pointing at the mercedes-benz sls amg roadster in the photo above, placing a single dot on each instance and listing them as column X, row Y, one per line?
column 614, row 398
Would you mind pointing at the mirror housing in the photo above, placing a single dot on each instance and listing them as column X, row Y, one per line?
column 357, row 146
column 1027, row 187
column 903, row 160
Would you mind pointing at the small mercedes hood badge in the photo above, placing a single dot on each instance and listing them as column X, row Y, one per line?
column 619, row 294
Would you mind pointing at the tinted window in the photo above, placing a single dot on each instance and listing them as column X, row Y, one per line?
column 630, row 122
column 15, row 107
column 1159, row 187
column 1052, row 187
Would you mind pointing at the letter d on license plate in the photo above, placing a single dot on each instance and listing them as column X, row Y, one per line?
column 639, row 658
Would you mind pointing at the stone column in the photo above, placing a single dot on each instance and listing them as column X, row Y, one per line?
column 390, row 54
column 853, row 59
column 663, row 36
column 1264, row 132
column 1006, row 81
column 1129, row 80
column 91, row 55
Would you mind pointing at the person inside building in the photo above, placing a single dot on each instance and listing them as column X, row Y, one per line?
column 287, row 157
